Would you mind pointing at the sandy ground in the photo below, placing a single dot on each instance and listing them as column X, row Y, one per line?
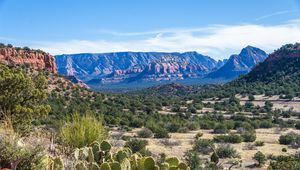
column 179, row 143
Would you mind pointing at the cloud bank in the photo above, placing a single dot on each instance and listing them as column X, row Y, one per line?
column 218, row 41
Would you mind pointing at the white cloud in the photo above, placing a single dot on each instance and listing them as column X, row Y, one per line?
column 275, row 14
column 218, row 41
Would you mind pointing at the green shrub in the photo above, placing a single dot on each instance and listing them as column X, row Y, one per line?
column 248, row 136
column 259, row 143
column 22, row 98
column 220, row 129
column 192, row 159
column 161, row 133
column 126, row 138
column 173, row 127
column 207, row 124
column 198, row 135
column 226, row 151
column 266, row 124
column 16, row 156
column 79, row 131
column 297, row 125
column 286, row 139
column 251, row 97
column 284, row 150
column 214, row 158
column 145, row 133
column 260, row 158
column 183, row 130
column 204, row 146
column 192, row 125
column 137, row 145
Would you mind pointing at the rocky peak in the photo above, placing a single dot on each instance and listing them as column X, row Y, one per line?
column 35, row 59
column 240, row 64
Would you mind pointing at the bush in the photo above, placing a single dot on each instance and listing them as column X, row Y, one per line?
column 161, row 133
column 251, row 97
column 226, row 151
column 297, row 125
column 221, row 129
column 260, row 158
column 137, row 145
column 266, row 124
column 79, row 131
column 259, row 143
column 284, row 150
column 214, row 158
column 16, row 156
column 204, row 146
column 207, row 124
column 136, row 123
column 231, row 138
column 192, row 125
column 192, row 159
column 126, row 138
column 173, row 127
column 198, row 135
column 22, row 98
column 183, row 130
column 248, row 136
column 145, row 133
column 286, row 139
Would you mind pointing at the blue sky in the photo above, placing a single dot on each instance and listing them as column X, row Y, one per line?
column 213, row 27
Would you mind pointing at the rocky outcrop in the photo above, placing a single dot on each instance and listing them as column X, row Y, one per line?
column 286, row 51
column 35, row 59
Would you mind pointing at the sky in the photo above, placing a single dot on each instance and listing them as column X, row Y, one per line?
column 217, row 28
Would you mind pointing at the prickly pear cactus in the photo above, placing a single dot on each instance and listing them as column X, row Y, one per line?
column 183, row 166
column 120, row 156
column 128, row 152
column 58, row 163
column 134, row 160
column 156, row 167
column 96, row 151
column 115, row 166
column 125, row 164
column 173, row 161
column 105, row 146
column 81, row 165
column 90, row 155
column 164, row 166
column 105, row 166
column 93, row 166
column 141, row 163
column 149, row 163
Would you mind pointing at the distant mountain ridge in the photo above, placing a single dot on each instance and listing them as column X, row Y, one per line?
column 240, row 64
column 106, row 68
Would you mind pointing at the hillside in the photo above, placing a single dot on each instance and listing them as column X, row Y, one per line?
column 240, row 64
column 279, row 74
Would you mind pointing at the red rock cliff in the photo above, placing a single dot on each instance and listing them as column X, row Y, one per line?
column 35, row 59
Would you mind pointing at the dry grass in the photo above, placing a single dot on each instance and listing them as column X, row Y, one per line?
column 182, row 142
